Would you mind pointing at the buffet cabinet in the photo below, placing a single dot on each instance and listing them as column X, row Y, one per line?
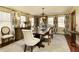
column 18, row 34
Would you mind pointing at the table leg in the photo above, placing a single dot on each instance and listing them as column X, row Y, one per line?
column 41, row 39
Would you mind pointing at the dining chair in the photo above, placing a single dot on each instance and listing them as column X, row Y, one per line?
column 29, row 39
column 49, row 35
column 6, row 35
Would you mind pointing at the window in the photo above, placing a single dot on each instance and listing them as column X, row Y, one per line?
column 23, row 20
column 61, row 20
column 5, row 20
column 50, row 21
column 32, row 21
column 41, row 23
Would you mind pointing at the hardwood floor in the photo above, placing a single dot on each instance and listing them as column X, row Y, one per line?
column 73, row 46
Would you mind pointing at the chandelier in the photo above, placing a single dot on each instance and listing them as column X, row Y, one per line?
column 43, row 14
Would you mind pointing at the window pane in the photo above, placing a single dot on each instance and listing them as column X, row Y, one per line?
column 61, row 21
column 23, row 20
column 5, row 20
column 41, row 23
column 5, row 16
column 50, row 21
column 32, row 21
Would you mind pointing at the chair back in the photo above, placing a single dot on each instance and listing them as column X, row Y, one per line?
column 51, row 30
column 28, row 36
column 5, row 30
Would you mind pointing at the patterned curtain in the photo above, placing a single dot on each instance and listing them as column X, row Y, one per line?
column 28, row 23
column 13, row 18
column 55, row 24
column 66, row 23
column 17, row 19
column 36, row 22
column 13, row 22
column 45, row 21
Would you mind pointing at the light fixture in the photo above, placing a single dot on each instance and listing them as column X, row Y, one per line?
column 43, row 14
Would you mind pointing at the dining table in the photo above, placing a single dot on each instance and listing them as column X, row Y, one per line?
column 39, row 34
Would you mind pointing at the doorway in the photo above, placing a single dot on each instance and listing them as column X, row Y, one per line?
column 73, row 30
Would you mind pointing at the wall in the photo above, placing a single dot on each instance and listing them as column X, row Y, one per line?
column 77, row 19
column 77, row 24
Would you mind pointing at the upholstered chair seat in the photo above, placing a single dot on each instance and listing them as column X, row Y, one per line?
column 33, row 42
column 7, row 36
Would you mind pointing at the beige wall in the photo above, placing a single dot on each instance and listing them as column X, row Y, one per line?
column 77, row 23
column 77, row 19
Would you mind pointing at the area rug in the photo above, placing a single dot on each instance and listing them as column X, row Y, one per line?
column 58, row 44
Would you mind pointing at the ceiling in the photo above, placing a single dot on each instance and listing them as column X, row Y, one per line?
column 37, row 10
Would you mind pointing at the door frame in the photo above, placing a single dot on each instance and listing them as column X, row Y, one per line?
column 73, row 21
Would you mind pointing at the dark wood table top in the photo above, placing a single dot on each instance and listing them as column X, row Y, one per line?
column 40, row 32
